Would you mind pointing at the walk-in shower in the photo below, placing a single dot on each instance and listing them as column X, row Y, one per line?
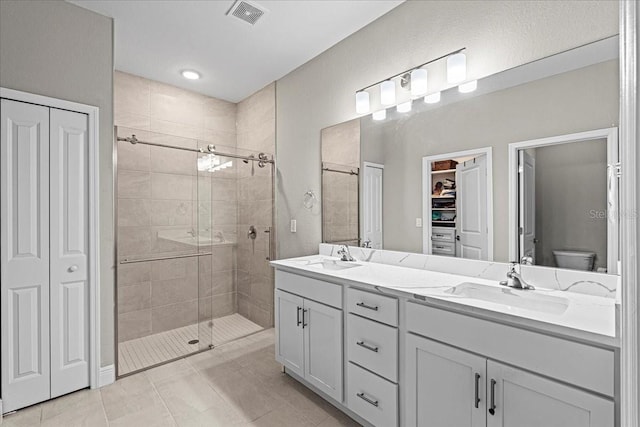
column 194, row 236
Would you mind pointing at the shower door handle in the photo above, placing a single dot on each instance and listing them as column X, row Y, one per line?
column 269, row 256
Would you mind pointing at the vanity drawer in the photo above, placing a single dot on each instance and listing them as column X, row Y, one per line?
column 443, row 248
column 373, row 398
column 443, row 234
column 373, row 306
column 373, row 345
column 313, row 289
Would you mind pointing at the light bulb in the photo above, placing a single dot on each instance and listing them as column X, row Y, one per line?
column 433, row 98
column 456, row 68
column 468, row 86
column 405, row 107
column 190, row 74
column 418, row 82
column 379, row 115
column 387, row 92
column 362, row 102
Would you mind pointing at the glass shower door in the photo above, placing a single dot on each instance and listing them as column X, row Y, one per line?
column 164, row 272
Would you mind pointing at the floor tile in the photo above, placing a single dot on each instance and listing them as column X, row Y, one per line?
column 235, row 384
column 28, row 417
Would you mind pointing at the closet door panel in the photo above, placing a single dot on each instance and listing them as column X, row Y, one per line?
column 24, row 253
column 69, row 243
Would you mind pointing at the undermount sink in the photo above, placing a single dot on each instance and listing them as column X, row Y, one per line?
column 329, row 264
column 523, row 299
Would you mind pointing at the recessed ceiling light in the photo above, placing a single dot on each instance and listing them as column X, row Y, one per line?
column 190, row 74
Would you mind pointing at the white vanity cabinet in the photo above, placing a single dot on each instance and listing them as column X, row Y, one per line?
column 410, row 363
column 451, row 387
column 446, row 386
column 523, row 399
column 309, row 333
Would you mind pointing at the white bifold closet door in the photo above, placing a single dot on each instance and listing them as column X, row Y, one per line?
column 43, row 254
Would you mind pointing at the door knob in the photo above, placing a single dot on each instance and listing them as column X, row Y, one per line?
column 73, row 268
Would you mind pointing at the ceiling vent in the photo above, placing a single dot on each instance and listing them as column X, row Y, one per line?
column 246, row 11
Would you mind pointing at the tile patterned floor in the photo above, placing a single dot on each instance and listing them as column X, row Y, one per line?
column 139, row 353
column 236, row 384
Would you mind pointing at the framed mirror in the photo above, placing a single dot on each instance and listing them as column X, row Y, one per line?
column 397, row 172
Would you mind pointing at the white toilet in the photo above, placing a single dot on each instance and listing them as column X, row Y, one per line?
column 575, row 260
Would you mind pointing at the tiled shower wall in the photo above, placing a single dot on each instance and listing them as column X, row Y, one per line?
column 158, row 192
column 256, row 132
column 340, row 196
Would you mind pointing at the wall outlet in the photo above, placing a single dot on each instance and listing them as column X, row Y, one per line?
column 419, row 222
column 293, row 225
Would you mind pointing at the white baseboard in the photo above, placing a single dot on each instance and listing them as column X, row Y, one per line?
column 107, row 375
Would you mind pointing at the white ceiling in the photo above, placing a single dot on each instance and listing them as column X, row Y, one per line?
column 158, row 39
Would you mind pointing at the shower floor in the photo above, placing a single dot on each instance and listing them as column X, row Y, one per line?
column 141, row 353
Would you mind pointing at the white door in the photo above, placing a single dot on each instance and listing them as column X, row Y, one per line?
column 69, row 289
column 24, row 253
column 445, row 386
column 323, row 348
column 521, row 399
column 527, row 204
column 289, row 333
column 372, row 204
column 472, row 227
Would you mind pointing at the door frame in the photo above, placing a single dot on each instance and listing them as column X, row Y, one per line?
column 362, row 199
column 611, row 135
column 92, row 113
column 629, row 291
column 428, row 184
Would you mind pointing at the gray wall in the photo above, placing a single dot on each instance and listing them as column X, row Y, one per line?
column 576, row 101
column 56, row 49
column 498, row 35
column 571, row 184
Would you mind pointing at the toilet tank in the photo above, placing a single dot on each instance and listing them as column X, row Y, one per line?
column 575, row 260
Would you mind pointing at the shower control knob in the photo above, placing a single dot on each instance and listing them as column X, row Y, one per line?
column 73, row 268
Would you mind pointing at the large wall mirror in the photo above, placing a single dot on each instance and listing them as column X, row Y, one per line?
column 436, row 179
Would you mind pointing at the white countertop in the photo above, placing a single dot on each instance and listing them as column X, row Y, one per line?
column 586, row 317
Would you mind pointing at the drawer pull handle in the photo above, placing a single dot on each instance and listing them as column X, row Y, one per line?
column 298, row 322
column 477, row 396
column 370, row 307
column 367, row 346
column 304, row 311
column 366, row 399
column 492, row 408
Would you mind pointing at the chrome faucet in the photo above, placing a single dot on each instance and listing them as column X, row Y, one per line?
column 344, row 253
column 518, row 281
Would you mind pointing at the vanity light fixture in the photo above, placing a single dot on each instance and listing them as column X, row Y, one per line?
column 362, row 102
column 388, row 92
column 190, row 74
column 468, row 86
column 415, row 80
column 418, row 82
column 405, row 107
column 433, row 98
column 379, row 115
column 456, row 68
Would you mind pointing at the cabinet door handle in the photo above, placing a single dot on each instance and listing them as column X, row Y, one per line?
column 477, row 395
column 366, row 399
column 304, row 311
column 492, row 408
column 370, row 307
column 367, row 346
column 298, row 322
